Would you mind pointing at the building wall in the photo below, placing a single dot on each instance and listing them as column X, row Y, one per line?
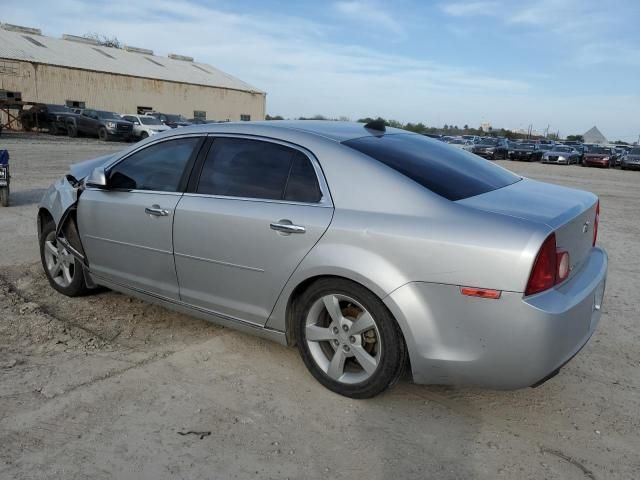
column 123, row 94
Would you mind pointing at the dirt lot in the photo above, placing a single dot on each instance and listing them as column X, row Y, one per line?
column 109, row 387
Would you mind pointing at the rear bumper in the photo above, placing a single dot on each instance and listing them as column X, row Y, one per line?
column 509, row 343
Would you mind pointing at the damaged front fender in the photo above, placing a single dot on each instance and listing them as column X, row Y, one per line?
column 61, row 200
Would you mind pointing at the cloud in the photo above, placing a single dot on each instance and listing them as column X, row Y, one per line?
column 306, row 70
column 463, row 9
column 370, row 14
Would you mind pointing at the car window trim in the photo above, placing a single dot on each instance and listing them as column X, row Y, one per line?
column 186, row 174
column 325, row 200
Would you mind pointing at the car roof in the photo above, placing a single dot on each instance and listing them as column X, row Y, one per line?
column 336, row 131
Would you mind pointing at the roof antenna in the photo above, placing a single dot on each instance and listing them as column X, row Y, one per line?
column 377, row 125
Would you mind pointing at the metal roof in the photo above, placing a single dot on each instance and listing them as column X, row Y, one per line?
column 28, row 47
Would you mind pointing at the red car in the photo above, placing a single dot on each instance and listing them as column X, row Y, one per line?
column 598, row 157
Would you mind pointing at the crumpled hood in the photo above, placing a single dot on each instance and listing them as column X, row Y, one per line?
column 83, row 169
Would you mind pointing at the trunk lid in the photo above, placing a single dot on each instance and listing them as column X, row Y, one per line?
column 568, row 212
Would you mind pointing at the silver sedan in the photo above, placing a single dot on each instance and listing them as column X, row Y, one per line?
column 369, row 248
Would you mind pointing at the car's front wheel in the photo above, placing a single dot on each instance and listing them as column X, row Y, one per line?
column 348, row 339
column 63, row 270
column 103, row 134
column 144, row 135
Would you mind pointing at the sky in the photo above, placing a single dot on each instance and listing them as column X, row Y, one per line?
column 562, row 64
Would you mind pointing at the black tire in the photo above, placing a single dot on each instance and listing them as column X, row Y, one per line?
column 144, row 135
column 72, row 131
column 392, row 358
column 4, row 196
column 78, row 286
column 103, row 134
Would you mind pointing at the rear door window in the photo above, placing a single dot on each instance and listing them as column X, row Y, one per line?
column 237, row 167
column 447, row 171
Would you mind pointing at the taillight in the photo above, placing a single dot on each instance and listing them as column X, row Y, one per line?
column 595, row 223
column 551, row 267
column 543, row 275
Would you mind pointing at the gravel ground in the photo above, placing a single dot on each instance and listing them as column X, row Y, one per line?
column 107, row 386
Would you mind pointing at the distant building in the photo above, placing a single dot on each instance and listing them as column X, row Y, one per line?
column 485, row 127
column 80, row 72
column 594, row 135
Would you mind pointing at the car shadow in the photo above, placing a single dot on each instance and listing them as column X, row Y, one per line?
column 30, row 196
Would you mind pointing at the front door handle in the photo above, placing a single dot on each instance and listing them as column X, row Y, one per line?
column 285, row 226
column 156, row 211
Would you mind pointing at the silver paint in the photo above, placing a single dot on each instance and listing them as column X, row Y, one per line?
column 222, row 259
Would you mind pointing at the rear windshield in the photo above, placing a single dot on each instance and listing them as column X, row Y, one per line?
column 450, row 172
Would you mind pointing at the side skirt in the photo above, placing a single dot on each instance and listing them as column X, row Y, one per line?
column 204, row 314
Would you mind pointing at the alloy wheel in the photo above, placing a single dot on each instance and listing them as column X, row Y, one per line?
column 59, row 262
column 343, row 338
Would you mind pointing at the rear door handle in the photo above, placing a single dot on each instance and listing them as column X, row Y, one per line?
column 156, row 211
column 285, row 226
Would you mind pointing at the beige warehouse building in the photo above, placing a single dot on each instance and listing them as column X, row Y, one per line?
column 82, row 73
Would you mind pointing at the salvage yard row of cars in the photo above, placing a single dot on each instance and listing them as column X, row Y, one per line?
column 60, row 119
column 562, row 153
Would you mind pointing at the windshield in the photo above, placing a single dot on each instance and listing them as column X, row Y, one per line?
column 634, row 151
column 488, row 141
column 599, row 150
column 452, row 173
column 457, row 141
column 150, row 121
column 58, row 108
column 175, row 118
column 563, row 149
column 526, row 146
column 106, row 115
column 545, row 146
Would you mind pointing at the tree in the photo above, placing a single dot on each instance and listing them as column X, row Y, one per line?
column 575, row 138
column 104, row 40
column 466, row 127
column 269, row 117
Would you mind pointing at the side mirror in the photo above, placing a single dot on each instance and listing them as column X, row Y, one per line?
column 97, row 179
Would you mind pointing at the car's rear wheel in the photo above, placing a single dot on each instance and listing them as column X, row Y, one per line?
column 72, row 131
column 103, row 134
column 348, row 339
column 144, row 135
column 63, row 270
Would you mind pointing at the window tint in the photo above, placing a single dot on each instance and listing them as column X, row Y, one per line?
column 253, row 169
column 246, row 168
column 158, row 167
column 303, row 183
column 452, row 173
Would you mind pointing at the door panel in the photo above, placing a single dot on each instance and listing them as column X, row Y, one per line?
column 230, row 260
column 126, row 244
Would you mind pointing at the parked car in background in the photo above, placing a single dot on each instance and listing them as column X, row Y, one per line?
column 562, row 154
column 440, row 260
column 619, row 153
column 46, row 116
column 99, row 123
column 171, row 119
column 460, row 143
column 527, row 152
column 598, row 156
column 492, row 148
column 145, row 125
column 631, row 160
